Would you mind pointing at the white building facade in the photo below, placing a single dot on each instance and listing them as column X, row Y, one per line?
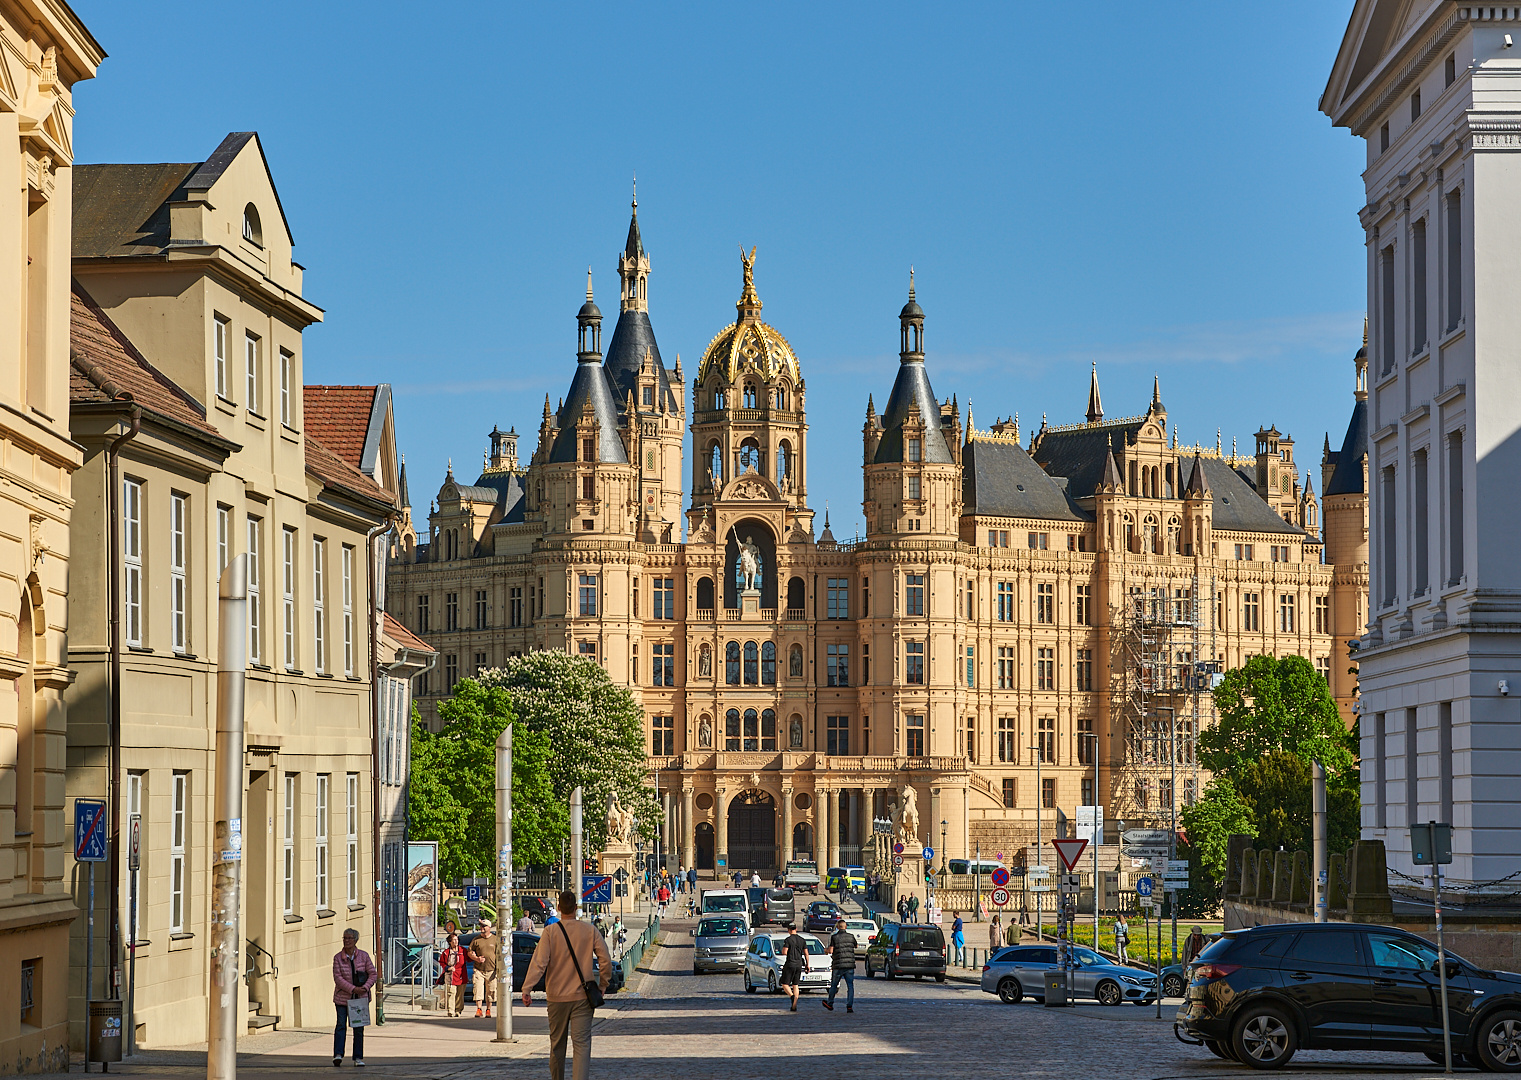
column 1434, row 87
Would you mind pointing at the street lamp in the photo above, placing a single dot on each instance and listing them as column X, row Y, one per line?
column 1040, row 934
column 944, row 825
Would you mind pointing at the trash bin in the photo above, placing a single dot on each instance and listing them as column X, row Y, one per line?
column 105, row 1030
column 1056, row 989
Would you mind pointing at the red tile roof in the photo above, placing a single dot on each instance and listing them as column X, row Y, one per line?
column 334, row 472
column 100, row 354
column 404, row 637
column 339, row 417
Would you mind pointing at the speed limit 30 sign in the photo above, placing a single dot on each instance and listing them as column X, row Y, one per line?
column 1000, row 896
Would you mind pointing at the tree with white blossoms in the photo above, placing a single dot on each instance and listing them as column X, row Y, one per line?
column 596, row 735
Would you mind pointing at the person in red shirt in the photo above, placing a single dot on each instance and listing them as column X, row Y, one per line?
column 451, row 963
column 663, row 895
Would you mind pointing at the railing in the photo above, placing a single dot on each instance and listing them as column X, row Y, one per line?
column 797, row 614
column 251, row 953
column 635, row 950
column 705, row 614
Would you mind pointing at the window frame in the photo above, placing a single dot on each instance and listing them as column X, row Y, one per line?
column 132, row 561
column 179, row 829
column 221, row 328
column 288, row 596
column 179, row 599
column 251, row 358
column 351, row 835
column 320, row 832
column 254, row 531
column 319, row 605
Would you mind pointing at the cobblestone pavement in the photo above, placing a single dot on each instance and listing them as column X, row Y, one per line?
column 674, row 1024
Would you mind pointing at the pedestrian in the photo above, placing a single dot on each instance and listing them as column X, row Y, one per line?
column 525, row 924
column 958, row 938
column 564, row 960
column 353, row 975
column 483, row 955
column 754, row 879
column 842, row 965
column 451, row 976
column 795, row 950
column 692, row 878
column 664, row 897
column 681, row 878
column 913, row 907
column 1193, row 946
column 995, row 935
column 1122, row 939
column 903, row 909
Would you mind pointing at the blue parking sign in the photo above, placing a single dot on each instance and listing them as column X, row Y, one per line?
column 90, row 830
column 472, row 894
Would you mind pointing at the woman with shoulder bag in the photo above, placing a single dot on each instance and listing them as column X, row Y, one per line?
column 451, row 963
column 353, row 975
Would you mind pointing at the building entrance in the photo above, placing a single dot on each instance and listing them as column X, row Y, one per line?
column 704, row 846
column 752, row 832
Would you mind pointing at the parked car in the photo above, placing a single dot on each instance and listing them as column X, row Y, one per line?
column 822, row 915
column 763, row 964
column 802, row 876
column 834, row 880
column 1257, row 996
column 915, row 949
column 755, row 898
column 720, row 901
column 719, row 944
column 863, row 930
column 842, row 877
column 1020, row 971
column 971, row 867
column 523, row 945
column 535, row 907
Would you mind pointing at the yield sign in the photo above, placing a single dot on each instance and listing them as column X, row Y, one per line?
column 1069, row 850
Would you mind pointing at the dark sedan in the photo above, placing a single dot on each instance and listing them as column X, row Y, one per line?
column 822, row 916
column 1259, row 995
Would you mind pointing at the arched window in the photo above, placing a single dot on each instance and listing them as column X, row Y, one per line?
column 720, row 398
column 750, row 456
column 716, row 464
column 752, row 730
column 781, row 397
column 795, row 662
column 768, row 729
column 705, row 594
column 768, row 663
column 749, row 396
column 252, row 231
column 795, row 598
column 752, row 674
column 731, row 730
column 731, row 663
column 783, row 463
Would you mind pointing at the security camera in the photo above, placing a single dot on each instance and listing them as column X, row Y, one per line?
column 1504, row 688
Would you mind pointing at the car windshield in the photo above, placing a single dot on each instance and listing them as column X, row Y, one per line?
column 815, row 946
column 921, row 938
column 724, row 903
column 757, row 896
column 779, row 894
column 721, row 928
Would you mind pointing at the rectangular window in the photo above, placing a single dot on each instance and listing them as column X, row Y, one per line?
column 179, row 830
column 251, row 372
column 1007, row 750
column 665, row 598
column 971, row 601
column 915, row 596
column 287, row 376
column 255, row 624
column 178, row 601
column 135, row 780
column 480, row 664
column 288, row 594
column 451, row 611
column 1045, row 669
column 1040, row 541
column 1085, row 605
column 838, row 599
column 1455, row 507
column 914, row 450
column 324, row 782
column 663, row 664
column 1005, row 667
column 224, row 538
column 663, row 739
column 1048, row 792
column 588, row 593
column 1285, row 613
column 1046, row 740
column 132, row 561
column 451, row 670
column 515, row 606
column 1251, row 608
column 423, row 614
column 914, row 663
column 914, row 493
column 219, row 334
column 837, row 659
column 1322, row 614
column 1450, row 70
column 1323, row 666
column 319, row 604
column 1454, row 260
column 1383, row 137
column 971, row 739
column 1086, row 741
column 1245, row 552
column 865, row 597
column 1386, row 312
column 914, row 736
column 1389, row 545
column 1420, row 547
column 1008, row 791
column 1087, row 789
column 1083, row 669
column 971, row 667
column 480, row 609
column 837, row 734
column 348, row 610
column 587, row 650
column 1005, row 601
column 1418, row 282
column 351, row 834
column 865, row 663
column 1415, row 106
column 1045, row 603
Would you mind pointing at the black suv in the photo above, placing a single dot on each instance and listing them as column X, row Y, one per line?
column 914, row 949
column 1258, row 995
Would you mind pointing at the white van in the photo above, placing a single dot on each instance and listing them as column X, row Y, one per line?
column 968, row 867
column 721, row 901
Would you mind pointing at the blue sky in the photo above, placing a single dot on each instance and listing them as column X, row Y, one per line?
column 1146, row 186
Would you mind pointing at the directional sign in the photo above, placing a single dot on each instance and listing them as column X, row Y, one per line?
column 1177, row 865
column 1000, row 877
column 929, row 853
column 596, row 889
column 1000, row 897
column 1040, row 888
column 1069, row 851
column 898, row 848
column 1039, row 871
column 1147, row 837
column 1143, row 887
column 90, row 830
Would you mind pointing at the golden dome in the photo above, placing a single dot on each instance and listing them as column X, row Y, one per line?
column 748, row 345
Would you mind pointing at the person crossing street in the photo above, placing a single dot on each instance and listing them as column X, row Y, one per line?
column 795, row 950
column 842, row 965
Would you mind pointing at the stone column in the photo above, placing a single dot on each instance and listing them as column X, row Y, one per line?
column 787, row 796
column 833, row 845
column 688, row 827
column 721, row 829
column 669, row 847
column 821, row 829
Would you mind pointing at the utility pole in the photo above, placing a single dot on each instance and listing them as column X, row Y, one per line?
column 227, row 802
column 1040, row 934
column 504, row 886
column 1318, row 843
column 575, row 842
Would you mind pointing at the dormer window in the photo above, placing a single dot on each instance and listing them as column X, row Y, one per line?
column 252, row 232
column 649, row 396
column 915, row 451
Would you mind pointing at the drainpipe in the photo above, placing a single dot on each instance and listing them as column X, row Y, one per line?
column 374, row 665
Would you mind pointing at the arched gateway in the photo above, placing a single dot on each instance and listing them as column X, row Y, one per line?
column 752, row 831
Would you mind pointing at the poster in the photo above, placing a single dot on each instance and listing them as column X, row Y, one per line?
column 422, row 892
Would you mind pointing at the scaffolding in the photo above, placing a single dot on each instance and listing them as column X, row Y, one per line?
column 1163, row 700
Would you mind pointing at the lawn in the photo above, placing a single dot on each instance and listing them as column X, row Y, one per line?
column 1143, row 936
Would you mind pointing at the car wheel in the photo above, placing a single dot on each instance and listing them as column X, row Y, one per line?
column 1010, row 992
column 1263, row 1039
column 889, row 972
column 696, row 970
column 771, row 982
column 940, row 978
column 869, row 973
column 1498, row 1044
column 1218, row 1049
column 749, row 986
column 1174, row 986
column 1108, row 993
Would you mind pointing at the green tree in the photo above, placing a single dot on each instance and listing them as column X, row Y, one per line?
column 452, row 791
column 1213, row 820
column 595, row 732
column 1277, row 704
column 1277, row 789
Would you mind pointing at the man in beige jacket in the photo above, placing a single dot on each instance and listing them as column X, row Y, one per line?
column 569, row 1013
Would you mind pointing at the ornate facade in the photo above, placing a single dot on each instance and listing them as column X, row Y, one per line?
column 992, row 646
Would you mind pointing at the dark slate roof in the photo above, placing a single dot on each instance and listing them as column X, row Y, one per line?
column 1348, row 477
column 122, row 209
column 1080, row 454
column 507, row 490
column 1237, row 506
column 998, row 479
column 912, row 386
column 589, row 385
column 625, row 353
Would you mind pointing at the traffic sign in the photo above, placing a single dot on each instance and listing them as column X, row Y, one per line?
column 898, row 848
column 897, row 860
column 1072, row 880
column 1040, row 888
column 1143, row 887
column 1000, row 877
column 472, row 894
column 596, row 889
column 1176, row 865
column 1038, row 871
column 1000, row 896
column 1147, row 837
column 135, row 844
column 1145, row 854
column 929, row 853
column 620, row 875
column 90, row 830
column 1069, row 851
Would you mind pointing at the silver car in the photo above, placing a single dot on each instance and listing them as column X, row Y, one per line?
column 1020, row 971
column 719, row 944
column 763, row 964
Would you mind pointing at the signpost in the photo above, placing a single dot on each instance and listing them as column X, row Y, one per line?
column 596, row 889
column 90, row 847
column 1069, row 851
column 1431, row 845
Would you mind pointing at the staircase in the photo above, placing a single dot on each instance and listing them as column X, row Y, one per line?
column 257, row 1020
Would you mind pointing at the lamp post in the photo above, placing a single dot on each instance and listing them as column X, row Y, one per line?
column 1098, row 839
column 944, row 825
column 1040, row 934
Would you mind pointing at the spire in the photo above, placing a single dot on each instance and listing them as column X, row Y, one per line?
column 1365, row 331
column 1195, row 488
column 588, row 285
column 546, row 407
column 635, row 246
column 910, row 281
column 633, row 267
column 1112, row 479
column 402, row 498
column 749, row 303
column 1095, row 406
column 1156, row 394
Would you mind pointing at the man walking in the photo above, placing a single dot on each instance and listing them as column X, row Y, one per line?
column 795, row 951
column 913, row 907
column 958, row 938
column 842, row 965
column 903, row 909
column 483, row 955
column 692, row 878
column 563, row 959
